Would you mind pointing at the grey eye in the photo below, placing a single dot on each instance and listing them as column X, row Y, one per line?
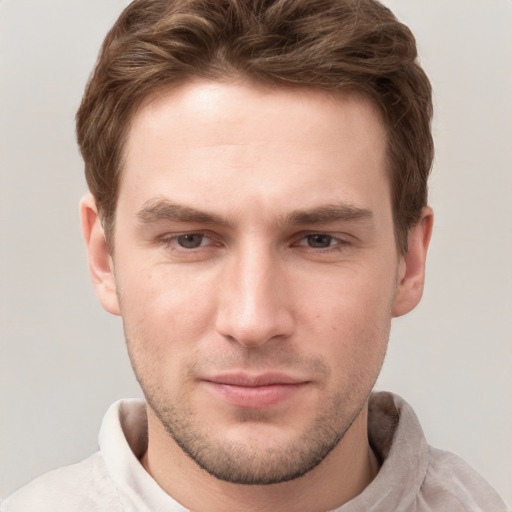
column 190, row 241
column 319, row 241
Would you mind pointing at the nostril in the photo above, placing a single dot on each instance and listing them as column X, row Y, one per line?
column 255, row 328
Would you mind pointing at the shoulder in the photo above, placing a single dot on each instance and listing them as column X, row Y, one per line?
column 82, row 487
column 450, row 481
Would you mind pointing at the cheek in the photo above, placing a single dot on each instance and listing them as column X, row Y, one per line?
column 355, row 297
column 163, row 310
column 349, row 318
column 163, row 321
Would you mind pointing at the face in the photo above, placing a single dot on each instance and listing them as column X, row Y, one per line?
column 255, row 270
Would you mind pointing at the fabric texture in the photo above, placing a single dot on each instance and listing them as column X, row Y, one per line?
column 413, row 476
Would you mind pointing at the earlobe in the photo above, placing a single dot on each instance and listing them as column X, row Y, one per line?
column 411, row 273
column 100, row 261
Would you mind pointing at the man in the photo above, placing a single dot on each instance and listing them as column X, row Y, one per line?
column 258, row 214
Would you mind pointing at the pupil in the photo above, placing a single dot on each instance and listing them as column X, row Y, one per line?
column 190, row 241
column 319, row 240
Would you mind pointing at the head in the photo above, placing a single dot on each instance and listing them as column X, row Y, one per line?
column 258, row 214
column 332, row 45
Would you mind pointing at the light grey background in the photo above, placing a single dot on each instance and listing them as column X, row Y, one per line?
column 62, row 359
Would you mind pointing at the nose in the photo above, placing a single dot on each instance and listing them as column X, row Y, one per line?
column 254, row 306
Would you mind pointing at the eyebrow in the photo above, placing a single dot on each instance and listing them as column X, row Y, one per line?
column 330, row 213
column 157, row 210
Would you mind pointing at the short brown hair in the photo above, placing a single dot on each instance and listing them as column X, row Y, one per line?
column 334, row 45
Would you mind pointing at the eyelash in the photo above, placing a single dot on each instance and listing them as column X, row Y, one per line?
column 336, row 243
column 171, row 241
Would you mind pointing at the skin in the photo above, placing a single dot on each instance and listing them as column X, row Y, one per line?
column 254, row 244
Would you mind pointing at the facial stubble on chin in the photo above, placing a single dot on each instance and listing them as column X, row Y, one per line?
column 250, row 463
column 240, row 464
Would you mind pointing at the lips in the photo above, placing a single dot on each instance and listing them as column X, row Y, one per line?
column 254, row 391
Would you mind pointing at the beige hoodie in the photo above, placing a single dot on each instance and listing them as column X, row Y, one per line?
column 413, row 476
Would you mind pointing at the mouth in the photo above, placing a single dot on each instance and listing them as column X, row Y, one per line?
column 248, row 391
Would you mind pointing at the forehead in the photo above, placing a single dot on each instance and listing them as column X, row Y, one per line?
column 222, row 145
column 201, row 104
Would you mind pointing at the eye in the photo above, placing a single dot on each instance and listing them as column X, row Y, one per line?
column 319, row 241
column 189, row 247
column 191, row 240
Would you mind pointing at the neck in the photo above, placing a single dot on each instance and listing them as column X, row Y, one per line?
column 342, row 475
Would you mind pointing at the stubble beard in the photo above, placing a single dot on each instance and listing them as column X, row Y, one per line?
column 243, row 462
column 249, row 464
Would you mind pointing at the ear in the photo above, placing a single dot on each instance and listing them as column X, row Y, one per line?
column 100, row 262
column 411, row 272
